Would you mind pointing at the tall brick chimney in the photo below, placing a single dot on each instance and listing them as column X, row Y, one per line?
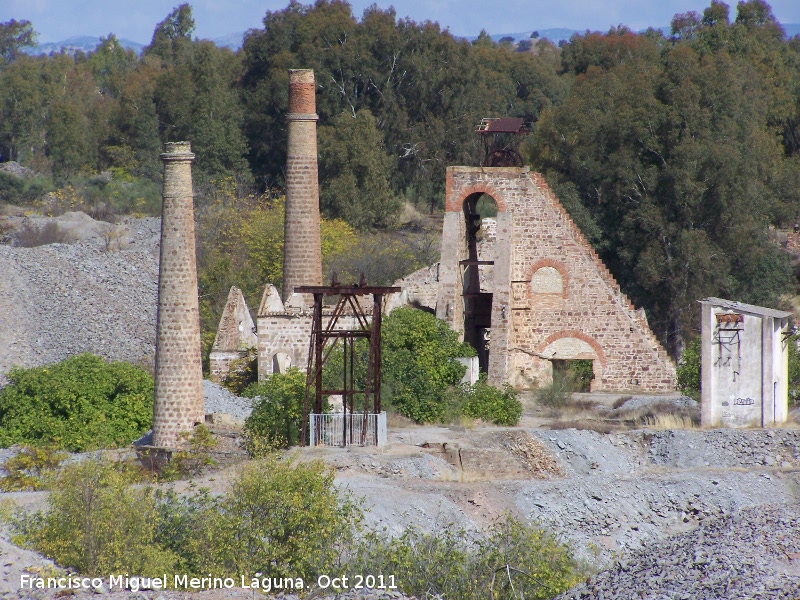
column 179, row 376
column 302, row 255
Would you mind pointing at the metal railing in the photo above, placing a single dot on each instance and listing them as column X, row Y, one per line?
column 345, row 429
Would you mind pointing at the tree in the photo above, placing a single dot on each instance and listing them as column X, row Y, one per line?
column 354, row 172
column 13, row 36
column 418, row 363
column 171, row 32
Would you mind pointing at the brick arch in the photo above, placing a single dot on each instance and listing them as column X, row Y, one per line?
column 455, row 200
column 578, row 335
column 558, row 266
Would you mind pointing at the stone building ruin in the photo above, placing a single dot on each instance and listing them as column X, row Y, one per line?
column 236, row 336
column 533, row 291
column 744, row 364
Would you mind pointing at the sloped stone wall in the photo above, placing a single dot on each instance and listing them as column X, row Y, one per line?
column 585, row 315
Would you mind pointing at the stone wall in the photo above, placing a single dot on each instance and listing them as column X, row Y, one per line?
column 552, row 297
column 235, row 336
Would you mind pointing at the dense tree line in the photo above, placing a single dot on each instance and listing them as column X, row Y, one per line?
column 676, row 154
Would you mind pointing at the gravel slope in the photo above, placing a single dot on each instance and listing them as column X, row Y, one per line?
column 58, row 300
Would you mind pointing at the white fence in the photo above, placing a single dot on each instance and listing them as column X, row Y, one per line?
column 344, row 429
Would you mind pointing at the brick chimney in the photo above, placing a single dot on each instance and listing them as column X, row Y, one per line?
column 178, row 403
column 302, row 255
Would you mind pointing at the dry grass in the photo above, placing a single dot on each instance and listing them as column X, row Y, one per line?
column 398, row 421
column 669, row 421
column 589, row 425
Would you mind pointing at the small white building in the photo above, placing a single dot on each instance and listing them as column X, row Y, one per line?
column 744, row 364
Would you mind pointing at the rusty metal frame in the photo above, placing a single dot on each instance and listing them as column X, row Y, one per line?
column 324, row 338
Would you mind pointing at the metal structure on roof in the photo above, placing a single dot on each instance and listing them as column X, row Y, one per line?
column 324, row 338
column 501, row 137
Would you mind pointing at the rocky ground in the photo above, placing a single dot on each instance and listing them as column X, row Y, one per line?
column 96, row 295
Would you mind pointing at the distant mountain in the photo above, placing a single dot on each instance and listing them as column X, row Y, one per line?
column 561, row 34
column 84, row 43
column 234, row 40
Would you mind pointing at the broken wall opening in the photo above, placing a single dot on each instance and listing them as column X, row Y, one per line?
column 476, row 277
column 580, row 372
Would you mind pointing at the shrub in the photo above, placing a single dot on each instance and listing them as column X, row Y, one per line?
column 29, row 469
column 80, row 403
column 276, row 416
column 558, row 393
column 513, row 561
column 419, row 363
column 31, row 236
column 794, row 371
column 97, row 523
column 193, row 460
column 280, row 518
column 490, row 404
column 689, row 369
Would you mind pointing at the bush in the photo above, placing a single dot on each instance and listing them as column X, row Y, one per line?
column 486, row 402
column 78, row 404
column 794, row 371
column 193, row 460
column 419, row 363
column 278, row 411
column 31, row 236
column 513, row 561
column 558, row 393
column 280, row 518
column 97, row 523
column 29, row 469
column 689, row 369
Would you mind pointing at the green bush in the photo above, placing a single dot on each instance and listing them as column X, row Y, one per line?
column 419, row 363
column 30, row 469
column 78, row 404
column 513, row 561
column 280, row 518
column 689, row 369
column 97, row 523
column 486, row 402
column 277, row 413
column 794, row 371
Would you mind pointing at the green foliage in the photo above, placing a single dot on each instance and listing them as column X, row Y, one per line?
column 13, row 36
column 280, row 518
column 29, row 469
column 679, row 153
column 16, row 190
column 277, row 412
column 794, row 370
column 486, row 402
column 80, row 403
column 242, row 372
column 354, row 172
column 193, row 460
column 558, row 392
column 689, row 369
column 513, row 561
column 418, row 363
column 97, row 523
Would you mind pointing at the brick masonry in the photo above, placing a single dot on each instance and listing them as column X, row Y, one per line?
column 302, row 254
column 553, row 298
column 178, row 376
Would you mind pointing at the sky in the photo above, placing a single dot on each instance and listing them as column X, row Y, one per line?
column 56, row 20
